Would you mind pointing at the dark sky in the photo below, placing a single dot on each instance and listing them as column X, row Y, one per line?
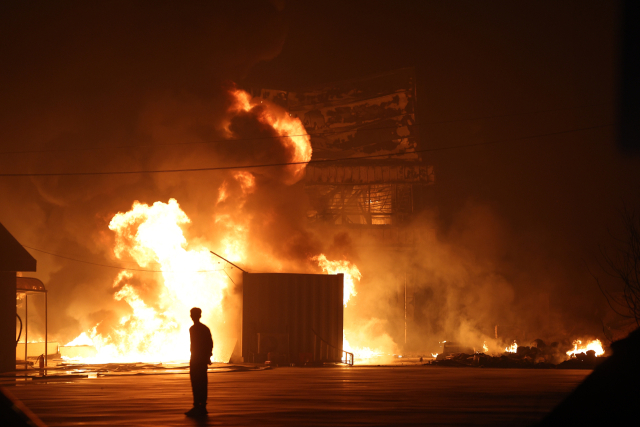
column 538, row 75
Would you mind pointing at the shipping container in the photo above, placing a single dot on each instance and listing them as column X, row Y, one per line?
column 292, row 318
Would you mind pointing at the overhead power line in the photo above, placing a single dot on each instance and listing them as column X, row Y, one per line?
column 497, row 116
column 255, row 166
column 360, row 128
column 118, row 266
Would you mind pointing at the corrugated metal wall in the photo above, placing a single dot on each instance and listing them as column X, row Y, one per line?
column 296, row 305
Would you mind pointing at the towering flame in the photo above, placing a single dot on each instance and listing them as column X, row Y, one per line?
column 156, row 327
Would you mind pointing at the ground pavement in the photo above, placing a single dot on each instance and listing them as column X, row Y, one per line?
column 336, row 396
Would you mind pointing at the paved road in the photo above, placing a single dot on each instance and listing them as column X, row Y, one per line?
column 361, row 396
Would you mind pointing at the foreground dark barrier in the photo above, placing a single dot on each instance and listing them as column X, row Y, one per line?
column 610, row 395
column 14, row 413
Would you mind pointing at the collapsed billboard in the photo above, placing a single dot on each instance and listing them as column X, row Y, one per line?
column 365, row 116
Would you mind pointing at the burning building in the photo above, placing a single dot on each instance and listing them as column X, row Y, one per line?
column 366, row 178
column 373, row 121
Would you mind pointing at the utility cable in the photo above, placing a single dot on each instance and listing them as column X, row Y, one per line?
column 225, row 272
column 117, row 266
column 517, row 114
column 320, row 161
column 360, row 128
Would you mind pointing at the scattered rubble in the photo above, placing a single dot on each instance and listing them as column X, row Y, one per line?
column 587, row 360
column 536, row 356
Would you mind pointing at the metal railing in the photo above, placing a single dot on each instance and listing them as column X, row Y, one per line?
column 328, row 352
column 347, row 358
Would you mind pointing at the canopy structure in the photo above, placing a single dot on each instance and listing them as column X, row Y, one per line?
column 28, row 286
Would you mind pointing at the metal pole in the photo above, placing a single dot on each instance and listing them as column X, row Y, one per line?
column 228, row 261
column 46, row 325
column 26, row 327
column 405, row 308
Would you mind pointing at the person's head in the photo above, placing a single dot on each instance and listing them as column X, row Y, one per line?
column 196, row 314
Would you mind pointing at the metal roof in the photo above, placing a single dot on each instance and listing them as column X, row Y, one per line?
column 29, row 285
column 13, row 257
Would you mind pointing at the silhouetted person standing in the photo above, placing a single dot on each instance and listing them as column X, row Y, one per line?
column 201, row 351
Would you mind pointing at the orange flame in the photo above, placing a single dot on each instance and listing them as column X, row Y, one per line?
column 578, row 347
column 361, row 354
column 191, row 278
column 82, row 339
column 513, row 348
column 222, row 192
column 292, row 130
column 349, row 270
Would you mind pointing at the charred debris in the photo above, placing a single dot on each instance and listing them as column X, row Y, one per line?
column 538, row 355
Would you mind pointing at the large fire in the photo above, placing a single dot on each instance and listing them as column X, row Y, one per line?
column 158, row 330
column 352, row 275
column 156, row 327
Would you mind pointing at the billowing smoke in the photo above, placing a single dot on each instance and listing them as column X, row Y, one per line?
column 469, row 282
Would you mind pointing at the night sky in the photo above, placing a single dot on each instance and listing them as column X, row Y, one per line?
column 538, row 78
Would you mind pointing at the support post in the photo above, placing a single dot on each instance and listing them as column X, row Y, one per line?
column 26, row 328
column 7, row 320
column 46, row 326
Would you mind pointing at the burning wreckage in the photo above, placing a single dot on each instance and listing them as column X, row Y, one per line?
column 537, row 355
column 300, row 317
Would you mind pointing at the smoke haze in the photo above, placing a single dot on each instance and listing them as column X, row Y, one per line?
column 510, row 230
